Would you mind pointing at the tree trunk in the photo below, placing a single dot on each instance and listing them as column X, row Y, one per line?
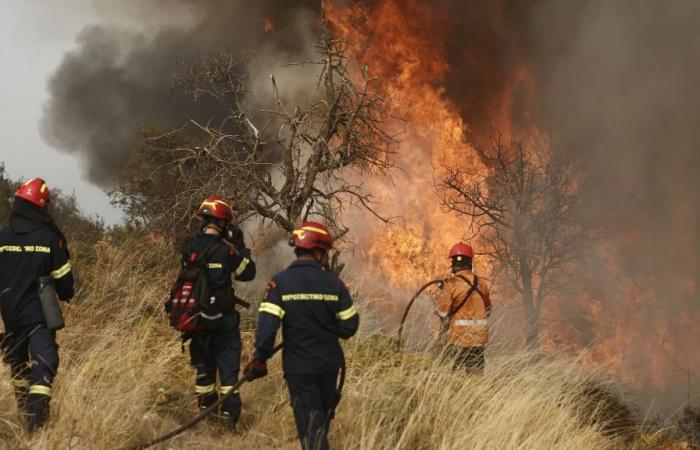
column 532, row 315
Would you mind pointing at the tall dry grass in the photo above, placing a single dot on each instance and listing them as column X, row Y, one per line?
column 123, row 379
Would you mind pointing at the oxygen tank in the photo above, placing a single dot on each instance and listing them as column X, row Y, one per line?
column 49, row 304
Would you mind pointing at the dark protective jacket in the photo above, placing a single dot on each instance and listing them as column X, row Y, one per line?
column 315, row 309
column 30, row 247
column 224, row 263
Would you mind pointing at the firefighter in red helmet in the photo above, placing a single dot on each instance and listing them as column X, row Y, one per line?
column 33, row 255
column 315, row 309
column 215, row 341
column 464, row 309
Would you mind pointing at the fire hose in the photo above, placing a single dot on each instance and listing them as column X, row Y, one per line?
column 199, row 417
column 410, row 304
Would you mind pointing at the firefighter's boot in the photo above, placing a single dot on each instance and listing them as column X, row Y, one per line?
column 231, row 408
column 22, row 397
column 37, row 411
column 205, row 400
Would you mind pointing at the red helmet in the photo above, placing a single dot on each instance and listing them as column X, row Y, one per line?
column 462, row 249
column 35, row 191
column 312, row 235
column 215, row 207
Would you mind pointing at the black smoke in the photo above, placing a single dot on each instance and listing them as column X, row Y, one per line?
column 119, row 79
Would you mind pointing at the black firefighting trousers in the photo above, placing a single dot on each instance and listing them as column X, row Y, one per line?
column 32, row 354
column 314, row 398
column 218, row 351
column 470, row 359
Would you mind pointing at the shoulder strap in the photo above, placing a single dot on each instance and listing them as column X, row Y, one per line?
column 472, row 288
column 203, row 257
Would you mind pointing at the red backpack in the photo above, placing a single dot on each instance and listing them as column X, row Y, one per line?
column 190, row 307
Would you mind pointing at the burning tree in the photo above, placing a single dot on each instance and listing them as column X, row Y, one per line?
column 283, row 163
column 527, row 212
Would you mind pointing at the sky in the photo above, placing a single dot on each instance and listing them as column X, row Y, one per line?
column 34, row 37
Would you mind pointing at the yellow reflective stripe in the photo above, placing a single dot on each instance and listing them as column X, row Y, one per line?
column 346, row 314
column 20, row 383
column 43, row 188
column 242, row 266
column 204, row 389
column 226, row 389
column 62, row 272
column 215, row 266
column 314, row 229
column 215, row 202
column 39, row 389
column 322, row 297
column 271, row 308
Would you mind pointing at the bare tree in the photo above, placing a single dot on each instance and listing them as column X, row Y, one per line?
column 283, row 163
column 527, row 212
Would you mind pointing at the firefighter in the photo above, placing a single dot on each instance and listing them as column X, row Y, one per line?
column 315, row 309
column 31, row 246
column 464, row 309
column 212, row 351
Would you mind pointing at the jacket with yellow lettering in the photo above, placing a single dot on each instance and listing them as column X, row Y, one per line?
column 315, row 309
column 224, row 264
column 27, row 253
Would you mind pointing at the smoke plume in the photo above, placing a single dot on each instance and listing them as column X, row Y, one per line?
column 119, row 78
column 618, row 88
column 615, row 85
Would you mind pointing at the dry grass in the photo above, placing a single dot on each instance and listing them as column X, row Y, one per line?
column 123, row 379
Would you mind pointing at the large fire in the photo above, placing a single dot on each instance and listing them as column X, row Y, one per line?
column 408, row 57
column 404, row 43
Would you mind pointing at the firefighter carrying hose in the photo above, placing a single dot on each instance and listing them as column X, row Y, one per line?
column 32, row 248
column 315, row 309
column 464, row 310
column 207, row 315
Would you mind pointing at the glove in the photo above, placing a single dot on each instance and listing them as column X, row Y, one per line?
column 254, row 370
column 234, row 235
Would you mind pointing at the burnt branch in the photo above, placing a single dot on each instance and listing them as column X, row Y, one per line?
column 282, row 162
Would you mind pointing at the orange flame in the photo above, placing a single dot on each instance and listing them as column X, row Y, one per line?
column 412, row 65
column 404, row 43
column 268, row 25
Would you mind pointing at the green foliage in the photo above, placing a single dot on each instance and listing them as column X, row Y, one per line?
column 7, row 190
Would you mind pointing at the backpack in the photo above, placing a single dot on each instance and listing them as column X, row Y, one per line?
column 190, row 307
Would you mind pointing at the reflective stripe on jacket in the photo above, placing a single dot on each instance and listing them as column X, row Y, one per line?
column 315, row 309
column 469, row 325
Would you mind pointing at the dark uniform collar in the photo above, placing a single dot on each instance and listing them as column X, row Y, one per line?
column 305, row 263
column 463, row 271
column 26, row 217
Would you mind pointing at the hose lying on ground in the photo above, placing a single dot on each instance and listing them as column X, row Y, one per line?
column 199, row 417
column 410, row 304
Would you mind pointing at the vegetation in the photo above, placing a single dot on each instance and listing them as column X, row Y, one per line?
column 124, row 379
column 281, row 163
